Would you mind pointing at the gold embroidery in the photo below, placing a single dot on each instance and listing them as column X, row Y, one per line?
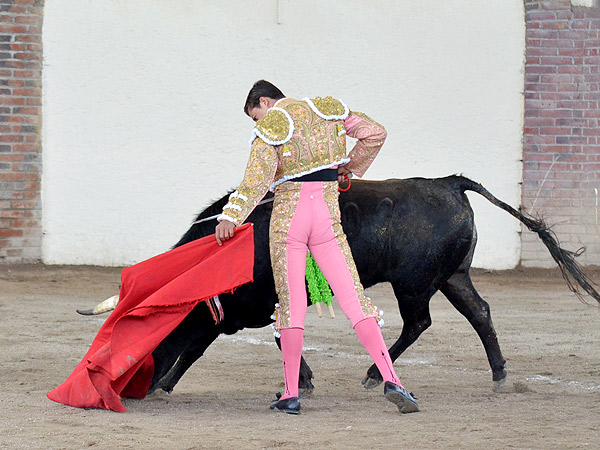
column 329, row 106
column 284, row 207
column 260, row 172
column 316, row 142
column 275, row 126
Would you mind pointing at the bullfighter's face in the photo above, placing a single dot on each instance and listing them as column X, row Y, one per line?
column 258, row 112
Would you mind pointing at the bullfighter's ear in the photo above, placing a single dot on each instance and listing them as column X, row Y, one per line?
column 350, row 218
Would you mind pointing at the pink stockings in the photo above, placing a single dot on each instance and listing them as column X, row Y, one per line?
column 369, row 335
column 315, row 226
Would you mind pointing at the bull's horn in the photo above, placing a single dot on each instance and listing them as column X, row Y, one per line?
column 107, row 305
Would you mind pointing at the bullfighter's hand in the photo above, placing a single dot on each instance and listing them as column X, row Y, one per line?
column 224, row 231
column 342, row 172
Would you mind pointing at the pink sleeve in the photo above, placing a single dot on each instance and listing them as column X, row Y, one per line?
column 371, row 137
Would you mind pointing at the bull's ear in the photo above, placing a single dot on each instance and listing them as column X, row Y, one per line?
column 385, row 207
column 351, row 218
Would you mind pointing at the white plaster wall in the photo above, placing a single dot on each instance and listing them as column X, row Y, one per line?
column 143, row 123
column 586, row 3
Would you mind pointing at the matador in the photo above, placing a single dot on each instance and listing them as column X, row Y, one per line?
column 298, row 151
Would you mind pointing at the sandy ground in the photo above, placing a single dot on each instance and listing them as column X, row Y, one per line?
column 549, row 338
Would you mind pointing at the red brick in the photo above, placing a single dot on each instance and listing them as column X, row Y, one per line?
column 27, row 92
column 573, row 52
column 555, row 130
column 11, row 138
column 573, row 69
column 5, row 100
column 533, row 16
column 26, row 148
column 30, row 111
column 19, row 204
column 18, row 47
column 34, row 48
column 12, row 29
column 34, row 101
column 17, row 9
column 580, row 24
column 18, row 176
column 17, row 214
column 542, row 51
column 555, row 61
column 28, row 56
column 36, row 38
column 27, row 19
column 542, row 34
column 536, row 139
column 33, row 186
column 10, row 233
column 5, row 157
column 35, row 74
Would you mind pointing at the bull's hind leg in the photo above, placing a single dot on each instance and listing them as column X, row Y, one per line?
column 415, row 314
column 461, row 293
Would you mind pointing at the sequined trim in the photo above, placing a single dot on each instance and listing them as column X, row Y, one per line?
column 284, row 208
column 276, row 128
column 328, row 107
column 221, row 217
column 276, row 325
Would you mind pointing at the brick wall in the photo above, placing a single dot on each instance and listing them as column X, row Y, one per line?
column 561, row 175
column 20, row 130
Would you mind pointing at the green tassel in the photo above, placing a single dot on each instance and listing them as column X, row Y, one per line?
column 318, row 287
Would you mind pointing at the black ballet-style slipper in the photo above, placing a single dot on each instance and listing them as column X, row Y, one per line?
column 289, row 405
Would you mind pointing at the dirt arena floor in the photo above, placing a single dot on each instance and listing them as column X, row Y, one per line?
column 551, row 399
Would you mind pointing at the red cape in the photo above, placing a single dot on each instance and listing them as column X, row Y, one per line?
column 155, row 297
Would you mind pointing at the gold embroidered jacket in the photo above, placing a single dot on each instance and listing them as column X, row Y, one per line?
column 298, row 137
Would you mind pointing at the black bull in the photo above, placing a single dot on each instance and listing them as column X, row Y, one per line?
column 417, row 234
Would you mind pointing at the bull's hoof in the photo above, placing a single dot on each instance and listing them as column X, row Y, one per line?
column 498, row 384
column 158, row 394
column 499, row 379
column 371, row 382
column 305, row 392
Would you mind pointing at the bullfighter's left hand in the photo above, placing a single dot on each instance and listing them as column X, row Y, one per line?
column 342, row 173
column 224, row 231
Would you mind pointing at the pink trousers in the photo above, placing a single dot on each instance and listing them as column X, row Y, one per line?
column 306, row 216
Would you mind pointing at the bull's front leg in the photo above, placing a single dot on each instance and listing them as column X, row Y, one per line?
column 182, row 347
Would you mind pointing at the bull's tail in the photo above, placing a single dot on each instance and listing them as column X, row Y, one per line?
column 570, row 269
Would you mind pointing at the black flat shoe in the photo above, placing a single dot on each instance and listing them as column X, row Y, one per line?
column 399, row 396
column 289, row 405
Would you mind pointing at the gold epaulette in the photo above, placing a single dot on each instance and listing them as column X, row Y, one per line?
column 275, row 128
column 328, row 108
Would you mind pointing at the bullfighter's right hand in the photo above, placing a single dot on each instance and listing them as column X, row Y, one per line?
column 224, row 231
